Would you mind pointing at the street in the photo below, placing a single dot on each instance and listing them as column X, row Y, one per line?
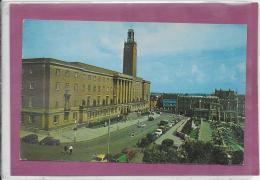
column 85, row 150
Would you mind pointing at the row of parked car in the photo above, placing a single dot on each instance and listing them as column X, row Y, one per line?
column 33, row 139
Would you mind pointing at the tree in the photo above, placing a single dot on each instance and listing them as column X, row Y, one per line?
column 237, row 157
column 167, row 143
column 218, row 156
column 203, row 153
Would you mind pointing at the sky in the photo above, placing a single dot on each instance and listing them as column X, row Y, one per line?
column 175, row 57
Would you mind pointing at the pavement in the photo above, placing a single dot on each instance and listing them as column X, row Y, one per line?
column 170, row 133
column 66, row 134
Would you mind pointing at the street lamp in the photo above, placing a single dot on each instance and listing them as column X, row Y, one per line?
column 75, row 130
column 108, row 139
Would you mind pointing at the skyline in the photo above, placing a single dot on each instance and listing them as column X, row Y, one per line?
column 188, row 58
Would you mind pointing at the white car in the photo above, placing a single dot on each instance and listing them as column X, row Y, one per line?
column 140, row 125
column 158, row 132
column 169, row 125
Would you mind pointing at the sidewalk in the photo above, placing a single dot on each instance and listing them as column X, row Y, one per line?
column 82, row 134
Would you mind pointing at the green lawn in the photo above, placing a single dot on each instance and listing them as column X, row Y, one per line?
column 205, row 132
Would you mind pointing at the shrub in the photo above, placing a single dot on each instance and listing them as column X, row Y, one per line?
column 167, row 143
column 237, row 157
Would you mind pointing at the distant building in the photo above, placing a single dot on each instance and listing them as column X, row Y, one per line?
column 232, row 104
column 57, row 93
column 153, row 102
column 206, row 107
column 224, row 105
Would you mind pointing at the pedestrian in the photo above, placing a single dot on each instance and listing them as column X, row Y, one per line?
column 65, row 149
column 70, row 149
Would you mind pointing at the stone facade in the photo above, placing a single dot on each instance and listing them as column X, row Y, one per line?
column 56, row 93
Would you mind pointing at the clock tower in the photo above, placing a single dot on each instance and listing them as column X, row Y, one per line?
column 130, row 54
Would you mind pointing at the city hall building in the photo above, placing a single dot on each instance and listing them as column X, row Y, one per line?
column 57, row 93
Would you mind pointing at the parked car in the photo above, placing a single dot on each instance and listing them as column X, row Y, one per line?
column 169, row 125
column 50, row 141
column 158, row 132
column 150, row 118
column 100, row 158
column 31, row 139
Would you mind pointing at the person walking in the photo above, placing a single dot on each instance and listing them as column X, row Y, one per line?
column 70, row 149
column 65, row 149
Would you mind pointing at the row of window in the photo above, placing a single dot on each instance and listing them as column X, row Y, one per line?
column 89, row 88
column 93, row 114
column 89, row 77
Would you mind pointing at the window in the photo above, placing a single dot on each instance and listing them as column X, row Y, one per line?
column 89, row 77
column 98, row 101
column 67, row 85
column 32, row 85
column 94, row 78
column 56, row 104
column 75, row 87
column 89, row 88
column 107, row 98
column 57, row 86
column 99, row 88
column 66, row 116
column 56, row 119
column 23, row 101
column 75, row 115
column 67, row 74
column 94, row 88
column 31, row 119
column 29, row 101
column 94, row 103
column 88, row 101
column 83, row 87
column 57, row 72
column 76, row 75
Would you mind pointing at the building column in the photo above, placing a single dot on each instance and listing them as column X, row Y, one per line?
column 127, row 91
column 117, row 91
column 131, row 91
column 122, row 91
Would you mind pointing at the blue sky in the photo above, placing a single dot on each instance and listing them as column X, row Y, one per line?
column 175, row 57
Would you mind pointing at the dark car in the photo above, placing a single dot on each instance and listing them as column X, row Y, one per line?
column 150, row 118
column 31, row 139
column 50, row 141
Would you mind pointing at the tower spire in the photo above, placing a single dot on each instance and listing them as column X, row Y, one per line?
column 130, row 54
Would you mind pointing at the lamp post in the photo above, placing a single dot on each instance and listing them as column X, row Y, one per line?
column 75, row 131
column 108, row 139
